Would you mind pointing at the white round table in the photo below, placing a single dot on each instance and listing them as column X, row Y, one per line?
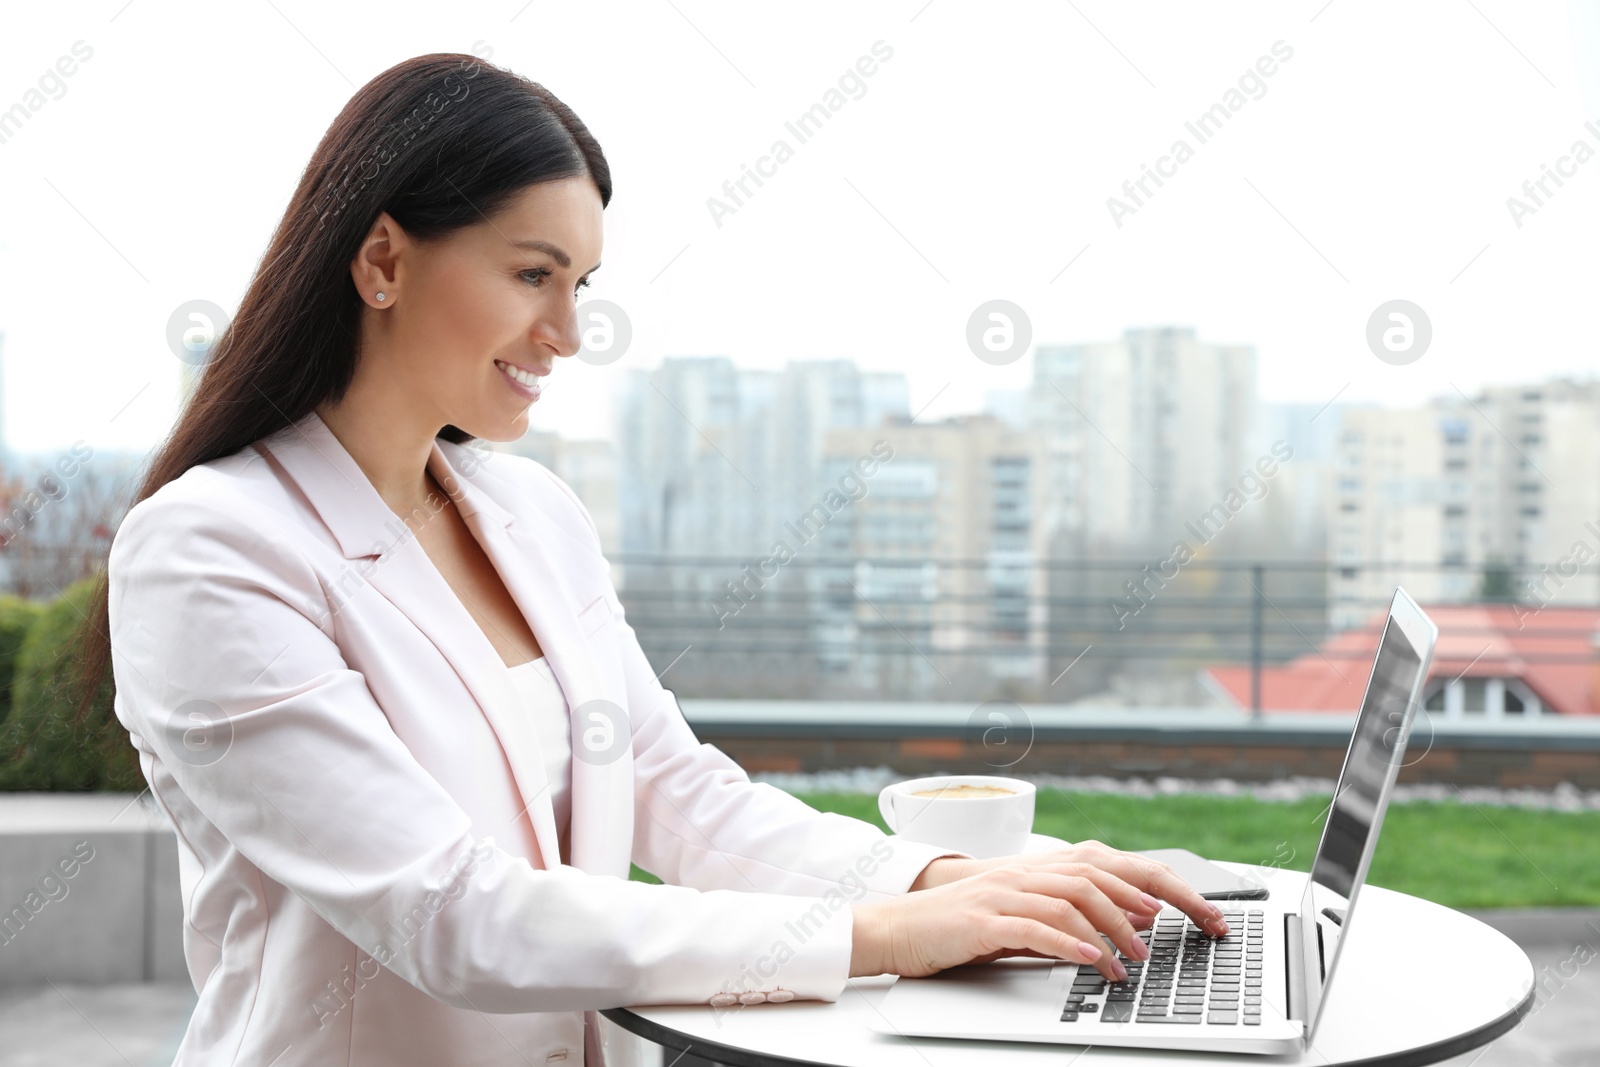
column 1416, row 983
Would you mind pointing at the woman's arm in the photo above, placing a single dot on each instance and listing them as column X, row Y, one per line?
column 213, row 612
column 699, row 820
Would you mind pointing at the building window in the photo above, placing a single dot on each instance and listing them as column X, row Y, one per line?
column 1481, row 698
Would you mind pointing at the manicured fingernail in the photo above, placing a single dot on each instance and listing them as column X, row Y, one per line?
column 1119, row 970
column 1220, row 927
column 1150, row 902
column 1216, row 912
column 1090, row 952
column 1139, row 950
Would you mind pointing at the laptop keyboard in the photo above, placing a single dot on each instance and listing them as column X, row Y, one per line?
column 1190, row 977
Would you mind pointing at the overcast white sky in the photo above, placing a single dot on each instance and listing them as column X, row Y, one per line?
column 976, row 166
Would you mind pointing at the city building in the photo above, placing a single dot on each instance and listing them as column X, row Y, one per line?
column 1142, row 434
column 1303, row 486
column 813, row 398
column 1441, row 497
column 728, row 502
column 692, row 447
column 714, row 458
column 941, row 553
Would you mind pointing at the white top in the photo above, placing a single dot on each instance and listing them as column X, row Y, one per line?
column 547, row 706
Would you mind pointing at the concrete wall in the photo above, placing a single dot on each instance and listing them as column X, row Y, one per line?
column 915, row 739
column 88, row 891
column 1503, row 768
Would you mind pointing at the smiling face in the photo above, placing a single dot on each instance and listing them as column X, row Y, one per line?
column 465, row 316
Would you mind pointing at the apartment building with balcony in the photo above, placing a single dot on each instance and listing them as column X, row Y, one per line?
column 1433, row 497
column 945, row 545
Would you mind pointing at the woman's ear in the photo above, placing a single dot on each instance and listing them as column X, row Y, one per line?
column 376, row 266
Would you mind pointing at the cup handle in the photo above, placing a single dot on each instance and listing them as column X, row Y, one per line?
column 886, row 807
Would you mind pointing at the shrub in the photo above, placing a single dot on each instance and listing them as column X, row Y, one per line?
column 17, row 616
column 41, row 746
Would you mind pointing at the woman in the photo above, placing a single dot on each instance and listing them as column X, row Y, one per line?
column 381, row 683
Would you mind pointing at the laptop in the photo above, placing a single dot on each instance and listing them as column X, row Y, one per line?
column 1260, row 989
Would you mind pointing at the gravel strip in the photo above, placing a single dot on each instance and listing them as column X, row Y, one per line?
column 1564, row 797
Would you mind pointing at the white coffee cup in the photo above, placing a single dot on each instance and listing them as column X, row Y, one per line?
column 982, row 827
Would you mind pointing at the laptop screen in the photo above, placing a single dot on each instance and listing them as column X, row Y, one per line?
column 1378, row 740
column 1371, row 763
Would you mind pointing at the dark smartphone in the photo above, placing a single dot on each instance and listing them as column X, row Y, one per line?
column 1209, row 880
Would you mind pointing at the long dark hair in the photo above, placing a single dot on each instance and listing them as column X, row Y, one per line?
column 439, row 142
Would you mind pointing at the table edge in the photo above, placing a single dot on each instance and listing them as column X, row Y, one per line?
column 738, row 1057
column 1455, row 1046
column 1420, row 1056
column 708, row 1050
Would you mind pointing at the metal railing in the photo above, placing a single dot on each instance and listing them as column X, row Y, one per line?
column 1048, row 631
column 1068, row 630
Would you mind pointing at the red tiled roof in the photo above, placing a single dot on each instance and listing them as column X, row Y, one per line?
column 1552, row 651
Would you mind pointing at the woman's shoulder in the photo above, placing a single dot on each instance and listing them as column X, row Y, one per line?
column 242, row 498
column 236, row 494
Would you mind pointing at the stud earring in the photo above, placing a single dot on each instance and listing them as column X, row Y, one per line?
column 380, row 296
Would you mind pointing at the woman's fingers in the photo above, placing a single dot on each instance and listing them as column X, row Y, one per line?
column 1092, row 894
column 1013, row 934
column 1068, row 906
column 1069, row 921
column 1158, row 879
column 1146, row 875
column 1123, row 894
column 1074, row 905
column 1130, row 909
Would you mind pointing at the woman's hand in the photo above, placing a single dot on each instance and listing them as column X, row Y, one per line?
column 1150, row 876
column 1052, row 904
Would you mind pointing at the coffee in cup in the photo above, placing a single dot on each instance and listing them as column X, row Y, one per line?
column 982, row 815
column 965, row 791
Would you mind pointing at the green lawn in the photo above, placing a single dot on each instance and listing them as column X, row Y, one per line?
column 1456, row 854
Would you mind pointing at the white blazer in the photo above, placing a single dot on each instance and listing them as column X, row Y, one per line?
column 367, row 846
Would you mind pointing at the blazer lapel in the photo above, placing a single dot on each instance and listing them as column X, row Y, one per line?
column 367, row 529
column 519, row 546
column 602, row 776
